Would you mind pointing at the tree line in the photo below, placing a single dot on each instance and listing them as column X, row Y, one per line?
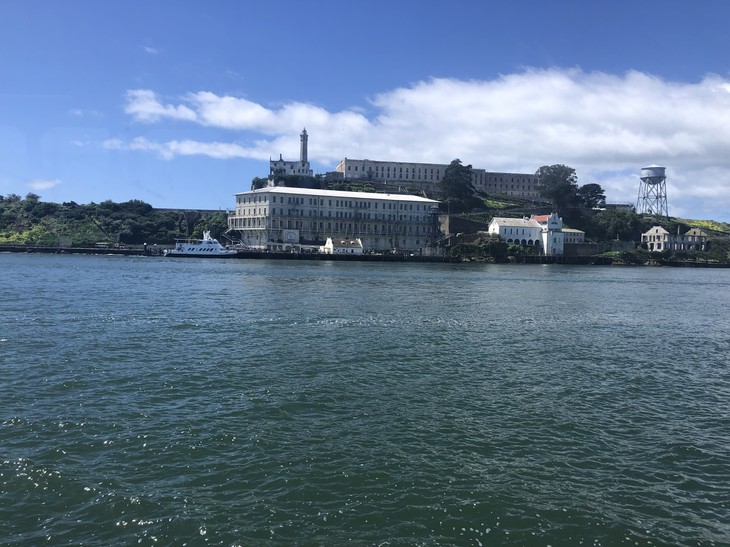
column 30, row 221
column 558, row 184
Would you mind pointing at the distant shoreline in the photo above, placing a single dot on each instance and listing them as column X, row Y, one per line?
column 265, row 255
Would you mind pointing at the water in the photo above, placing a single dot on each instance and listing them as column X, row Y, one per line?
column 184, row 401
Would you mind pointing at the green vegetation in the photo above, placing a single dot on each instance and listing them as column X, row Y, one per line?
column 711, row 227
column 349, row 186
column 458, row 190
column 28, row 221
column 559, row 184
column 497, row 204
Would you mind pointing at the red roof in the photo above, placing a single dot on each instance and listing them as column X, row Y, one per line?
column 540, row 218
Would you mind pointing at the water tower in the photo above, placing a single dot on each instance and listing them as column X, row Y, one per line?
column 652, row 198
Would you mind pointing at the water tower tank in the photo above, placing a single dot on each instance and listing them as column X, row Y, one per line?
column 653, row 192
column 653, row 174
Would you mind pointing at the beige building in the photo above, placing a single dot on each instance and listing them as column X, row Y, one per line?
column 429, row 175
column 509, row 184
column 278, row 218
column 574, row 237
column 659, row 239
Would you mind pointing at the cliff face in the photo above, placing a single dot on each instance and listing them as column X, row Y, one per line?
column 450, row 225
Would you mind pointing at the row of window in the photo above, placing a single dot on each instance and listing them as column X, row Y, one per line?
column 511, row 187
column 256, row 211
column 348, row 227
column 382, row 169
column 494, row 178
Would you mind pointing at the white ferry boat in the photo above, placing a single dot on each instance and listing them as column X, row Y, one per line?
column 206, row 247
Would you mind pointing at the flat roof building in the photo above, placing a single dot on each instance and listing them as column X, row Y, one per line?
column 279, row 218
column 427, row 176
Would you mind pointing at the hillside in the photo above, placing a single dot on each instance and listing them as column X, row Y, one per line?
column 29, row 221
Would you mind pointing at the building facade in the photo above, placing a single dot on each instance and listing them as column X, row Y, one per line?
column 278, row 218
column 301, row 167
column 341, row 247
column 429, row 175
column 658, row 239
column 509, row 184
column 544, row 231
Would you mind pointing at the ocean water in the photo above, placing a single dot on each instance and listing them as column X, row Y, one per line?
column 169, row 401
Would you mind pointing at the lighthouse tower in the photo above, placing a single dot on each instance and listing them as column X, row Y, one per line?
column 652, row 199
column 286, row 167
column 303, row 147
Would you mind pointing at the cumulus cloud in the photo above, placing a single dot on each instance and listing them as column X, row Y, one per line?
column 606, row 126
column 43, row 184
column 142, row 105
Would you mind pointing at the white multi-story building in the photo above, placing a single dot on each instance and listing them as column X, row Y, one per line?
column 281, row 218
column 511, row 184
column 544, row 231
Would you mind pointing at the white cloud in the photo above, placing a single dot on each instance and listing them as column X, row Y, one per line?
column 150, row 50
column 43, row 184
column 84, row 113
column 605, row 126
column 168, row 150
column 143, row 105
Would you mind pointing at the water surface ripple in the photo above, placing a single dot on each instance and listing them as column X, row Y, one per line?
column 275, row 403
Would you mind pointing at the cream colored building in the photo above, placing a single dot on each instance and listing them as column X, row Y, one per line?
column 659, row 239
column 511, row 184
column 574, row 237
column 278, row 218
column 430, row 174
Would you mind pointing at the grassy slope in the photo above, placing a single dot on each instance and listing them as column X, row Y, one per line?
column 711, row 227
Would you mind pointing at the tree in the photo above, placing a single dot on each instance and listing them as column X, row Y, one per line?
column 559, row 184
column 718, row 249
column 611, row 224
column 258, row 182
column 458, row 189
column 590, row 195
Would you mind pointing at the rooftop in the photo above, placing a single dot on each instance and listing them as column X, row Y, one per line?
column 339, row 194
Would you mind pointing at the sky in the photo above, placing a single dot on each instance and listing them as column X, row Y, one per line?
column 182, row 103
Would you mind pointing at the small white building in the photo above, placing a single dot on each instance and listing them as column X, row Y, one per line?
column 658, row 239
column 342, row 246
column 544, row 231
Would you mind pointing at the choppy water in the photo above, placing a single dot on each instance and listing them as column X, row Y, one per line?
column 169, row 401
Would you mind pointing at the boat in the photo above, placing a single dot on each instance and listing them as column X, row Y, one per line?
column 207, row 247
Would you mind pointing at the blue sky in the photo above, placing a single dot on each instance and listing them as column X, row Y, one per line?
column 181, row 103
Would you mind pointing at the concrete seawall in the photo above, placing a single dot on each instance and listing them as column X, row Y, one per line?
column 264, row 255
